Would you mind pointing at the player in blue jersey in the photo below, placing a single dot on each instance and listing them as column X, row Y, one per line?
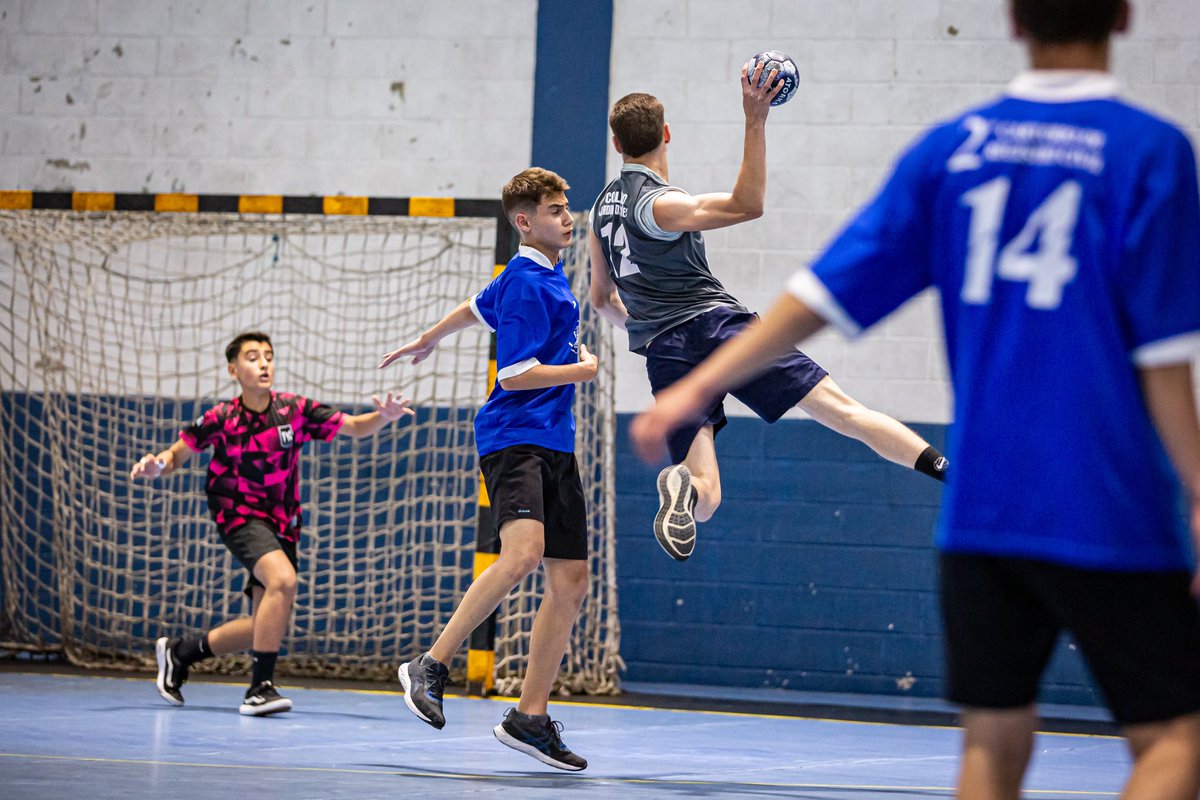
column 1061, row 226
column 650, row 276
column 525, row 433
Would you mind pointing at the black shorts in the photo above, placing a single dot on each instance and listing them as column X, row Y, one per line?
column 530, row 482
column 676, row 352
column 251, row 542
column 1138, row 631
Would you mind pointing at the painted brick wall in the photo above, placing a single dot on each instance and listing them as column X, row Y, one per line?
column 266, row 96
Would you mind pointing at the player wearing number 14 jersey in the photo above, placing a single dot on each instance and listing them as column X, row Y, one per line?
column 1061, row 226
column 650, row 276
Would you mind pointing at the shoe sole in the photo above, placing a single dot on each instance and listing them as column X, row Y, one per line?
column 402, row 674
column 504, row 738
column 266, row 709
column 675, row 512
column 160, row 654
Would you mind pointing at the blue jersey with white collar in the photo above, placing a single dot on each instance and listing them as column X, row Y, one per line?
column 530, row 308
column 1062, row 229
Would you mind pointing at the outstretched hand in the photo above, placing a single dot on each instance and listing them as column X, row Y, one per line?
column 673, row 408
column 418, row 348
column 150, row 467
column 392, row 407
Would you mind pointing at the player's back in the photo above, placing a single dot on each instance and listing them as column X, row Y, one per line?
column 1061, row 219
column 663, row 277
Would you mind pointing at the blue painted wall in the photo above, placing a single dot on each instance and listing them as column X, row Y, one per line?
column 817, row 573
column 571, row 83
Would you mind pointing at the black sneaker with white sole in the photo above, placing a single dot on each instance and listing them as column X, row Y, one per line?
column 172, row 673
column 675, row 526
column 263, row 699
column 424, row 680
column 540, row 738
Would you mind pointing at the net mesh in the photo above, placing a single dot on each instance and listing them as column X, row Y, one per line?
column 113, row 328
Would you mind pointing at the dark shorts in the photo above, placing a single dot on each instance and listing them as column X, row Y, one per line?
column 530, row 482
column 251, row 542
column 1138, row 631
column 674, row 353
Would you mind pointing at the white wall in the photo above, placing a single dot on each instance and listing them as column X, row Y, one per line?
column 361, row 97
column 873, row 73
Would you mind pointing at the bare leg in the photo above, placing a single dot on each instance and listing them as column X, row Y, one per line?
column 523, row 542
column 274, row 607
column 836, row 410
column 701, row 461
column 996, row 749
column 565, row 587
column 1166, row 760
column 236, row 635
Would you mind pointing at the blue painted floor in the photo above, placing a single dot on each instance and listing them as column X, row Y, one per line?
column 66, row 736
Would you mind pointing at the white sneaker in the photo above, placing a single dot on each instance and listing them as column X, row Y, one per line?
column 674, row 525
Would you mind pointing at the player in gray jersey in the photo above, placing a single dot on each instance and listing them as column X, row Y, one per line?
column 650, row 276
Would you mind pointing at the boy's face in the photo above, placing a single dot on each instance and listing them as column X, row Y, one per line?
column 254, row 367
column 550, row 226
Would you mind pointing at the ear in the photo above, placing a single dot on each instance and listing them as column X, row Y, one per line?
column 666, row 133
column 616, row 144
column 521, row 220
column 1123, row 18
column 232, row 370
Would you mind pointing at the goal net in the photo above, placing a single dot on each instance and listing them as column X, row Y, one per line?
column 114, row 326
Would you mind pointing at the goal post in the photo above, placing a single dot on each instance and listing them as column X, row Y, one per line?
column 114, row 313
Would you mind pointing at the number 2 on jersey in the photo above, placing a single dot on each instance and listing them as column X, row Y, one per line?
column 619, row 248
column 1047, row 270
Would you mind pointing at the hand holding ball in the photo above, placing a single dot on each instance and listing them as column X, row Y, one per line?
column 786, row 73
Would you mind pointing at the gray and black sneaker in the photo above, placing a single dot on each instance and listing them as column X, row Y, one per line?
column 539, row 738
column 172, row 673
column 424, row 680
column 675, row 526
column 262, row 700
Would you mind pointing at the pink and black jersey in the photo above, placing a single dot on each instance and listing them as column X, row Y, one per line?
column 252, row 474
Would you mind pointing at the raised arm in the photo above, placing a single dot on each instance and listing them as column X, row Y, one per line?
column 544, row 376
column 1172, row 404
column 461, row 317
column 602, row 291
column 153, row 465
column 679, row 211
column 733, row 364
column 387, row 410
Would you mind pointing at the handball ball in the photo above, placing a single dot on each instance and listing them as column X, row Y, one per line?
column 788, row 73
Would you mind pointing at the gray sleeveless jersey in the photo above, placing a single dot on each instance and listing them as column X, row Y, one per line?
column 662, row 277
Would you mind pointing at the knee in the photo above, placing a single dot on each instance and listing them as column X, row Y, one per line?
column 570, row 583
column 519, row 563
column 283, row 583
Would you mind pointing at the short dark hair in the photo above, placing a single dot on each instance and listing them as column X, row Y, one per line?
column 233, row 348
column 527, row 188
column 637, row 122
column 1062, row 21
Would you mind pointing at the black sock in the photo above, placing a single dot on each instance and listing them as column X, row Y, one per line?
column 192, row 649
column 264, row 667
column 932, row 463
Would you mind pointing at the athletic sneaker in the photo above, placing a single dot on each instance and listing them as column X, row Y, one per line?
column 172, row 673
column 539, row 739
column 674, row 526
column 424, row 681
column 263, row 699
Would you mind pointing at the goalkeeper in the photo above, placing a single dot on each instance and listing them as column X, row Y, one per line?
column 254, row 496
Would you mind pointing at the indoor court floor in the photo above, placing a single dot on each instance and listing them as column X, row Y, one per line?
column 113, row 737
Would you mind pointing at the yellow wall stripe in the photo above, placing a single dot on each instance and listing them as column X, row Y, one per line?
column 484, row 500
column 260, row 204
column 16, row 200
column 497, row 270
column 356, row 206
column 481, row 669
column 176, row 202
column 431, row 206
column 93, row 201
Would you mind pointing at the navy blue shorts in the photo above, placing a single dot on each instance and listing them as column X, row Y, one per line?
column 674, row 353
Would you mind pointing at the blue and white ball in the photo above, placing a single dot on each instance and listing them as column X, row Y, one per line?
column 788, row 74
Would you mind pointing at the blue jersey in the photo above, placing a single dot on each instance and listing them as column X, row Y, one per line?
column 1062, row 229
column 530, row 308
